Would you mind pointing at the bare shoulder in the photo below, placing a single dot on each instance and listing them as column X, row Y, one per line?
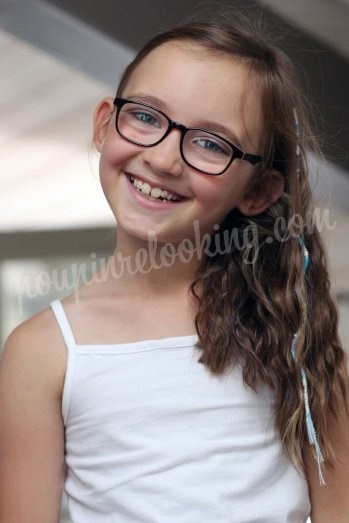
column 36, row 346
column 31, row 425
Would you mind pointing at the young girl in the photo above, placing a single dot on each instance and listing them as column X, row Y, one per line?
column 200, row 378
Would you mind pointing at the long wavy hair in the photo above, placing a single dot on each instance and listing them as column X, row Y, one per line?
column 252, row 300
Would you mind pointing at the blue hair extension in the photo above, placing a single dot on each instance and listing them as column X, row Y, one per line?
column 305, row 254
column 312, row 436
column 298, row 149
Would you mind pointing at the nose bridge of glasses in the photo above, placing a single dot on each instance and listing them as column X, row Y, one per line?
column 171, row 150
column 172, row 125
column 175, row 125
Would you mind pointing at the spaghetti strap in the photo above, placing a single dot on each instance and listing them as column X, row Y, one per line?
column 63, row 323
column 69, row 339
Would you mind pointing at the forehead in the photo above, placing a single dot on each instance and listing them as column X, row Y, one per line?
column 195, row 83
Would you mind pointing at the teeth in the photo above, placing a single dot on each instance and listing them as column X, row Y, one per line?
column 155, row 192
column 145, row 188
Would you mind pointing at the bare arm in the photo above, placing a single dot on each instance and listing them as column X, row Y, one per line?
column 31, row 427
column 330, row 503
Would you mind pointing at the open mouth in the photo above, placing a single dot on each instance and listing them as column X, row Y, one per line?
column 154, row 193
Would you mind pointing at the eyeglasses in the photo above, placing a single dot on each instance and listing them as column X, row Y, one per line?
column 205, row 151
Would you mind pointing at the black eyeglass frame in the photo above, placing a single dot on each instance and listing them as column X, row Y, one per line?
column 237, row 153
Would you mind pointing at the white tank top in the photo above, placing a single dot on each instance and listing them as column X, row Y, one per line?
column 153, row 437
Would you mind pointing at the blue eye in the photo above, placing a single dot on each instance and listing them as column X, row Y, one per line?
column 211, row 146
column 146, row 118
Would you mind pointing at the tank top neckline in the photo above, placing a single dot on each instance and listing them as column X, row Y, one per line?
column 171, row 341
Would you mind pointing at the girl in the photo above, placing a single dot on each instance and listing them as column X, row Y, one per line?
column 200, row 377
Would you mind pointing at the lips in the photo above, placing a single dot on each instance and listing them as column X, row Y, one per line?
column 154, row 190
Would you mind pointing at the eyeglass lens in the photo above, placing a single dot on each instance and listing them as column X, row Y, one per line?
column 146, row 126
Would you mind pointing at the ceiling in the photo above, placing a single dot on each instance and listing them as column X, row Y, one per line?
column 327, row 20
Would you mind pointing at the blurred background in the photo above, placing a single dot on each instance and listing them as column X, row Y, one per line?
column 57, row 59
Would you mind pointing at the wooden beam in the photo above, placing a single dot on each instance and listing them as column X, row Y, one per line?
column 42, row 244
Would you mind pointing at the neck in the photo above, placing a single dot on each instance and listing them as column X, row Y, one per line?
column 150, row 267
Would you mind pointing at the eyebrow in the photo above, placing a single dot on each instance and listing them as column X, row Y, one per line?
column 204, row 124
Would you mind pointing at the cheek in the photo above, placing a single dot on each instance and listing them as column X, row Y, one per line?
column 114, row 154
column 229, row 191
column 216, row 195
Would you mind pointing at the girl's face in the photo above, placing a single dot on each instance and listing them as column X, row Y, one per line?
column 197, row 89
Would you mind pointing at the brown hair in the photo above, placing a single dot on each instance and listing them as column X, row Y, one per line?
column 250, row 306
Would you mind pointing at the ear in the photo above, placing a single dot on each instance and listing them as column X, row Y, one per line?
column 101, row 119
column 263, row 195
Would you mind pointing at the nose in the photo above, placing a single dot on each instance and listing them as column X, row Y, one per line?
column 165, row 158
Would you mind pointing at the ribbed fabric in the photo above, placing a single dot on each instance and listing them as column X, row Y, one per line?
column 153, row 437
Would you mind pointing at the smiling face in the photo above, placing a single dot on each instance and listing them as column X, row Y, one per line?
column 197, row 89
